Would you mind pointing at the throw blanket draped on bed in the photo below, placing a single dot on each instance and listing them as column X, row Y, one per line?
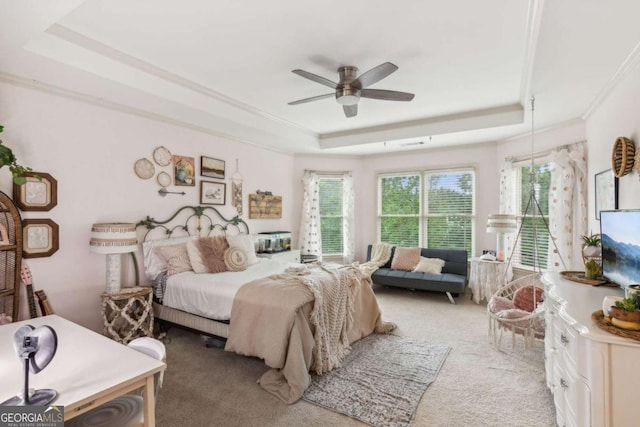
column 302, row 319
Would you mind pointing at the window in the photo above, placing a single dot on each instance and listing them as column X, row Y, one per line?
column 331, row 215
column 534, row 231
column 427, row 209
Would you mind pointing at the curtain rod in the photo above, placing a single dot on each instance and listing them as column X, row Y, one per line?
column 328, row 172
column 539, row 154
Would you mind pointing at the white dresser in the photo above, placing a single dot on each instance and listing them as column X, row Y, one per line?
column 592, row 373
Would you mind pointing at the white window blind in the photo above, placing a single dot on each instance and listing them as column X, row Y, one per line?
column 399, row 209
column 428, row 209
column 449, row 212
column 534, row 234
column 331, row 215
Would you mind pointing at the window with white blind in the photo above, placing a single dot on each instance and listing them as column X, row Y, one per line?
column 428, row 209
column 534, row 235
column 331, row 215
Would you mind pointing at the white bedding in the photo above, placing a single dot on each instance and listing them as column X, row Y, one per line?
column 211, row 295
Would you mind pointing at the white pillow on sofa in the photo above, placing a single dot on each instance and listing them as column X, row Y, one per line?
column 429, row 265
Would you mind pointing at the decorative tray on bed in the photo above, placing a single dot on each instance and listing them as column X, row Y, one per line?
column 578, row 276
column 599, row 319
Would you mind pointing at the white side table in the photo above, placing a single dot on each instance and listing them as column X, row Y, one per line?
column 486, row 277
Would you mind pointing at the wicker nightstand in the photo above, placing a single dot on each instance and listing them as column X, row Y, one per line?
column 128, row 314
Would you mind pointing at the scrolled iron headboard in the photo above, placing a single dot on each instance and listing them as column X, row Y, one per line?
column 199, row 221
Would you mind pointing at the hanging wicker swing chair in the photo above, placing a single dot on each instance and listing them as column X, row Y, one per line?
column 518, row 307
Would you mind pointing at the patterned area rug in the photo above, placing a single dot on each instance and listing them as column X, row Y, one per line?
column 381, row 381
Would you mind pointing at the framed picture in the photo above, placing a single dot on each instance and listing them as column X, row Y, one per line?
column 213, row 193
column 39, row 238
column 39, row 193
column 606, row 192
column 184, row 171
column 211, row 168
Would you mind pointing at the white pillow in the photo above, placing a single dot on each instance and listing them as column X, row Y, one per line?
column 244, row 242
column 429, row 265
column 154, row 262
column 195, row 257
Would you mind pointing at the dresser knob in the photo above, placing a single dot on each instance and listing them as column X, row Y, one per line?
column 563, row 383
column 564, row 340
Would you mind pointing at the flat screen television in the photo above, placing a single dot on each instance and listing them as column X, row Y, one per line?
column 620, row 233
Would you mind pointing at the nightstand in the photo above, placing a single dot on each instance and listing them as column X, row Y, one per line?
column 285, row 256
column 128, row 314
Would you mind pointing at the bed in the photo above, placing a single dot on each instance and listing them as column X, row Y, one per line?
column 296, row 317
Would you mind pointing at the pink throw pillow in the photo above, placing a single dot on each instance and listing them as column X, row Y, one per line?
column 528, row 297
column 497, row 304
column 212, row 250
column 405, row 258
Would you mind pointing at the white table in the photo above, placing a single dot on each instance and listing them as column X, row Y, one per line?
column 87, row 370
column 486, row 277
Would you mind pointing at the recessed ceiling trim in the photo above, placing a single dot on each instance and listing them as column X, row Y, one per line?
column 267, row 142
column 534, row 19
column 470, row 120
column 629, row 64
column 101, row 49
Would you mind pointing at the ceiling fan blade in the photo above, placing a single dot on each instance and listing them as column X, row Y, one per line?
column 386, row 95
column 376, row 74
column 316, row 78
column 313, row 98
column 350, row 110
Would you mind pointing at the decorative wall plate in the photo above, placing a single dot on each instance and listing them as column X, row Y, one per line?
column 162, row 156
column 622, row 156
column 144, row 168
column 164, row 179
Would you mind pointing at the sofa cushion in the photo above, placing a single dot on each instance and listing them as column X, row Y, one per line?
column 430, row 265
column 405, row 258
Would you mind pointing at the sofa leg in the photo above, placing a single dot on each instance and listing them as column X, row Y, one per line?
column 451, row 298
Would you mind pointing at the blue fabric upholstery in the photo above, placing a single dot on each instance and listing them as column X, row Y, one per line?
column 453, row 278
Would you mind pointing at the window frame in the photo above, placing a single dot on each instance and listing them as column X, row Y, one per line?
column 328, row 177
column 423, row 216
column 517, row 251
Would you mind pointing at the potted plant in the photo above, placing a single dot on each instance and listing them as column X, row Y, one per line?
column 7, row 158
column 591, row 245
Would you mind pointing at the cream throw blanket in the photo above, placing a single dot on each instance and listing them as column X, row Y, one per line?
column 380, row 255
column 332, row 314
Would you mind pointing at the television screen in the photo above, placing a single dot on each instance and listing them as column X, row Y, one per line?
column 620, row 233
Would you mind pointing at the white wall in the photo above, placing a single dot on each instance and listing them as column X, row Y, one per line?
column 616, row 116
column 91, row 150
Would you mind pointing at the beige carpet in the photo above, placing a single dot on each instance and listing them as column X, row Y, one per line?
column 477, row 385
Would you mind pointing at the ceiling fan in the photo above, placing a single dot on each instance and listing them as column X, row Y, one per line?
column 351, row 88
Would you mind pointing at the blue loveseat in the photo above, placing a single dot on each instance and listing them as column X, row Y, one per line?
column 453, row 279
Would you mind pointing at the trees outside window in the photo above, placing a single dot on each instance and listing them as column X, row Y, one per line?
column 331, row 215
column 428, row 209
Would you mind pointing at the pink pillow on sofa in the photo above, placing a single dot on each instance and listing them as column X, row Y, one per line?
column 405, row 258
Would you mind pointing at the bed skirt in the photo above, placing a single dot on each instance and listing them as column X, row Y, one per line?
column 182, row 318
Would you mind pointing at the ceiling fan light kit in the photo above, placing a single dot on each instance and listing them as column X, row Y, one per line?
column 351, row 88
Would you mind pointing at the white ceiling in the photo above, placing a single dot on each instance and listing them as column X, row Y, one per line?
column 224, row 66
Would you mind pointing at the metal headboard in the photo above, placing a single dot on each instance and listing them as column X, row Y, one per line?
column 199, row 221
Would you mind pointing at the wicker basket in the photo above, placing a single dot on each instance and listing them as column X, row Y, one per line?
column 530, row 327
column 623, row 156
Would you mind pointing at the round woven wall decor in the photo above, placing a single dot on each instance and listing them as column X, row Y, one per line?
column 623, row 156
column 235, row 259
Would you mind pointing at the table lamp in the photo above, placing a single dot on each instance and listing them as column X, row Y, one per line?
column 113, row 239
column 501, row 224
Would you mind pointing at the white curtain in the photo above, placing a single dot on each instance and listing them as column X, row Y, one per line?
column 348, row 203
column 567, row 206
column 310, row 239
column 508, row 201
